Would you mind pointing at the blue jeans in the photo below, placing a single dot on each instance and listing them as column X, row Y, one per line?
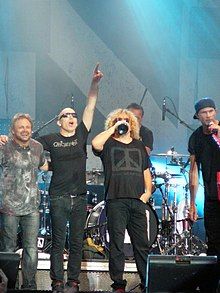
column 65, row 209
column 29, row 225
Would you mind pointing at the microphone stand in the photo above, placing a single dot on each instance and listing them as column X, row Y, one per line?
column 35, row 134
column 178, row 118
column 142, row 99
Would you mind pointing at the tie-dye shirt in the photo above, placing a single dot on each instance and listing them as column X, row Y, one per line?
column 19, row 194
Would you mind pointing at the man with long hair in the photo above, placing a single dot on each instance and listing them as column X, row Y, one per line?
column 127, row 189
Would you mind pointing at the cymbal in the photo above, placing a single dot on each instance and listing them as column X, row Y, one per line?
column 188, row 219
column 167, row 175
column 176, row 175
column 174, row 164
column 169, row 154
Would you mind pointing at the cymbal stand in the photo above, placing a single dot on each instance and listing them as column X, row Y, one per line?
column 175, row 231
column 166, row 211
column 167, row 216
column 44, row 229
column 186, row 226
column 186, row 242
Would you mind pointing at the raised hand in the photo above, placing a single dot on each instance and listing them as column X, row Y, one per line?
column 97, row 74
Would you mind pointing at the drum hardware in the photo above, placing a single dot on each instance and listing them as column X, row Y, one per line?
column 95, row 226
column 184, row 242
column 44, row 212
column 175, row 234
column 95, row 176
column 44, row 208
column 92, row 200
column 44, row 235
column 176, row 159
column 169, row 154
column 169, row 232
column 168, row 239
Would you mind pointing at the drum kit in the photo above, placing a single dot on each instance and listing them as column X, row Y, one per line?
column 175, row 227
column 170, row 229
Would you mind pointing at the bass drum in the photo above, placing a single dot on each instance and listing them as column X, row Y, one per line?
column 96, row 223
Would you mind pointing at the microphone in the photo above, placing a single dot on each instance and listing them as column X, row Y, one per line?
column 214, row 130
column 164, row 109
column 72, row 101
column 122, row 129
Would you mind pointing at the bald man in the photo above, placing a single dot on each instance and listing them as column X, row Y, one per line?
column 68, row 188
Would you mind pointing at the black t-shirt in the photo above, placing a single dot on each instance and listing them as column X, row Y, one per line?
column 207, row 156
column 147, row 137
column 68, row 161
column 124, row 166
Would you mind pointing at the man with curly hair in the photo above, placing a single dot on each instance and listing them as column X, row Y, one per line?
column 127, row 189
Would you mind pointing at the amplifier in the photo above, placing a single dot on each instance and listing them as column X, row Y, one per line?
column 9, row 264
column 181, row 273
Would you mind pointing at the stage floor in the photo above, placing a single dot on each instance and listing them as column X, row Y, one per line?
column 163, row 271
column 94, row 274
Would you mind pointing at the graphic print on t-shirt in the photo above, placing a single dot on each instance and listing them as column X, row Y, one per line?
column 126, row 159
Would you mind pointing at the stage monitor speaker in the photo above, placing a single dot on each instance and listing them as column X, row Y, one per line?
column 9, row 264
column 181, row 273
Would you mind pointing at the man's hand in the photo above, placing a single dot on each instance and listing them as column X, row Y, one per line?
column 3, row 139
column 193, row 212
column 214, row 127
column 92, row 98
column 97, row 74
column 144, row 197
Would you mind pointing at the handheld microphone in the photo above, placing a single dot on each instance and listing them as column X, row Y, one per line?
column 164, row 109
column 122, row 129
column 213, row 131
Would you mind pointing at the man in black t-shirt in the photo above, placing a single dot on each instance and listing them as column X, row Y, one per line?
column 204, row 149
column 146, row 135
column 127, row 189
column 68, row 189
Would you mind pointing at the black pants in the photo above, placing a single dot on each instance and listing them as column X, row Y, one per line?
column 65, row 209
column 127, row 214
column 212, row 228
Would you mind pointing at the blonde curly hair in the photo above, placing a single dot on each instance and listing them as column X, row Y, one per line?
column 134, row 125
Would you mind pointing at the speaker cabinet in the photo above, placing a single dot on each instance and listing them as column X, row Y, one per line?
column 9, row 264
column 181, row 273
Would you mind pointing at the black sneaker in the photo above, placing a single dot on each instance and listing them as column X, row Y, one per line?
column 57, row 287
column 28, row 288
column 119, row 290
column 71, row 287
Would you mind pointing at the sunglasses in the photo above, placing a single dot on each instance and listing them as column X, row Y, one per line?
column 68, row 115
column 121, row 119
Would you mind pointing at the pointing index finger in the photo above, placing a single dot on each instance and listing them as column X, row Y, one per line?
column 96, row 68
